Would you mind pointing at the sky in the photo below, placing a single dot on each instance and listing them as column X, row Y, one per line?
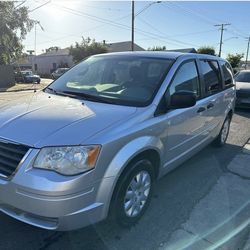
column 172, row 24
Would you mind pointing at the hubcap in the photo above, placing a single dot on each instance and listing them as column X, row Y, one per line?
column 224, row 131
column 137, row 194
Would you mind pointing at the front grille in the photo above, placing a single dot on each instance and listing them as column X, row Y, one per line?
column 10, row 156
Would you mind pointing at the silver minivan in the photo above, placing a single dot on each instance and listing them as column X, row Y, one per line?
column 95, row 141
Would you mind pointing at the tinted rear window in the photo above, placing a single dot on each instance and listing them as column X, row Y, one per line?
column 227, row 72
column 212, row 78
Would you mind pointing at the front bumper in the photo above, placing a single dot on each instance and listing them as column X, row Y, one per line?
column 50, row 201
column 53, row 213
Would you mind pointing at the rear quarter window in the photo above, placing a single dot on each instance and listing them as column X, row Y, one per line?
column 227, row 73
column 212, row 77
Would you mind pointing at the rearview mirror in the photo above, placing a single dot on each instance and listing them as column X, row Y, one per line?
column 182, row 99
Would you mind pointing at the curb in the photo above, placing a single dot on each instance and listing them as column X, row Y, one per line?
column 15, row 90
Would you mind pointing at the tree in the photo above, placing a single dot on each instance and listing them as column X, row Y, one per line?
column 54, row 48
column 86, row 48
column 14, row 26
column 157, row 48
column 206, row 50
column 234, row 60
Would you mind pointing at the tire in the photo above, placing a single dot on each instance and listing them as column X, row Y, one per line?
column 130, row 201
column 223, row 135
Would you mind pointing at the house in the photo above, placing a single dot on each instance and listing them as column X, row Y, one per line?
column 44, row 64
column 188, row 50
column 122, row 46
column 24, row 63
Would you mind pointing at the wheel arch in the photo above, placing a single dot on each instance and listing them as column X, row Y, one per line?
column 149, row 154
column 146, row 147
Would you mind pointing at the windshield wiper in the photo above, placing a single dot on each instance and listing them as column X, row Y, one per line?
column 87, row 96
column 62, row 93
column 80, row 95
column 50, row 89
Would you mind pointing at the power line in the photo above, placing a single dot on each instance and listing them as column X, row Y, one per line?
column 38, row 7
column 20, row 4
column 119, row 25
column 146, row 7
column 186, row 34
column 207, row 20
column 164, row 36
column 103, row 8
column 176, row 6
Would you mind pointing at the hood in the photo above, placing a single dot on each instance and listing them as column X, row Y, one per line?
column 243, row 86
column 40, row 119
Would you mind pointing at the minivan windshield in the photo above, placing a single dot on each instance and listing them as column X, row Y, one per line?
column 122, row 80
column 243, row 77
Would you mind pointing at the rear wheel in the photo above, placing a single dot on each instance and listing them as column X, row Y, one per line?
column 222, row 137
column 134, row 192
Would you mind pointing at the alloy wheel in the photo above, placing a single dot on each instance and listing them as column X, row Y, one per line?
column 137, row 194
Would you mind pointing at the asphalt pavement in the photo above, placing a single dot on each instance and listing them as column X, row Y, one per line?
column 200, row 205
column 27, row 86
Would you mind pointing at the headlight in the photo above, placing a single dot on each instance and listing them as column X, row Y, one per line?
column 68, row 160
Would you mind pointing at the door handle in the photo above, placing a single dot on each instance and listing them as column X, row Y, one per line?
column 201, row 109
column 210, row 105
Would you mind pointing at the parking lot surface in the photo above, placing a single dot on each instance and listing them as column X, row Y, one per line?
column 200, row 205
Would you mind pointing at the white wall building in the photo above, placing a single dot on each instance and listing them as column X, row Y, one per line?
column 48, row 62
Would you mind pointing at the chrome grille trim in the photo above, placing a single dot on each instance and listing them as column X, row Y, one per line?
column 11, row 156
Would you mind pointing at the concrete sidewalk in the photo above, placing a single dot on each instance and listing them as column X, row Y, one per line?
column 221, row 220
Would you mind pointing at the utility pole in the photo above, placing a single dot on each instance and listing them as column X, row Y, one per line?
column 133, row 20
column 133, row 26
column 35, row 38
column 247, row 51
column 37, row 23
column 221, row 34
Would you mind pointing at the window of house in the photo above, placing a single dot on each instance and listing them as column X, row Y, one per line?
column 212, row 77
column 186, row 78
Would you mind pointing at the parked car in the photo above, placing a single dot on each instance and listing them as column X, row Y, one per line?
column 57, row 73
column 243, row 89
column 95, row 141
column 27, row 77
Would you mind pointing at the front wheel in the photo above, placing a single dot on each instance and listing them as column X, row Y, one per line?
column 134, row 193
column 222, row 137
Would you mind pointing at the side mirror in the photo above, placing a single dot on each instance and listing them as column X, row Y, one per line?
column 182, row 99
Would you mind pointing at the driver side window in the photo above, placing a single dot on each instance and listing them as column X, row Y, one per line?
column 186, row 78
